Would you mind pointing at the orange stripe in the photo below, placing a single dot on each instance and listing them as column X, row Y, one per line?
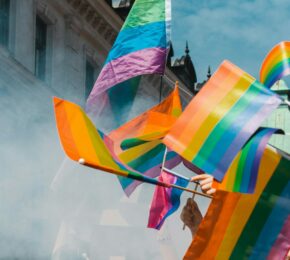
column 211, row 232
column 64, row 130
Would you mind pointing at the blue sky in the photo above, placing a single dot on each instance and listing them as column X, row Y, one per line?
column 242, row 31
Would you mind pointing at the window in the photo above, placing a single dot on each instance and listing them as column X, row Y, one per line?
column 4, row 22
column 40, row 48
column 91, row 75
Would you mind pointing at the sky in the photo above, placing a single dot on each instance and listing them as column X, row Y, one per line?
column 242, row 31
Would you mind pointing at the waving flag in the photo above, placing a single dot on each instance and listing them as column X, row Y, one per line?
column 140, row 48
column 242, row 226
column 138, row 143
column 220, row 119
column 165, row 200
column 242, row 174
column 83, row 143
column 276, row 65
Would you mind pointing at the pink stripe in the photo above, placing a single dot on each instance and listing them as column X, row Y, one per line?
column 161, row 202
column 147, row 61
column 281, row 246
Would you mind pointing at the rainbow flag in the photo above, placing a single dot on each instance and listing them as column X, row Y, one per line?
column 138, row 143
column 220, row 119
column 165, row 200
column 276, row 65
column 140, row 48
column 249, row 226
column 83, row 143
column 242, row 174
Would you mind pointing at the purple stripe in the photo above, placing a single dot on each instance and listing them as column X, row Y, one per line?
column 153, row 173
column 147, row 61
column 282, row 244
column 244, row 134
column 256, row 163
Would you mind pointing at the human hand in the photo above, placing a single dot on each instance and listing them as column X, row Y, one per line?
column 206, row 182
column 191, row 215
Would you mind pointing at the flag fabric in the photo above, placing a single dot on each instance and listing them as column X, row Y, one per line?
column 220, row 119
column 243, row 172
column 276, row 65
column 138, row 143
column 83, row 143
column 249, row 226
column 140, row 48
column 165, row 200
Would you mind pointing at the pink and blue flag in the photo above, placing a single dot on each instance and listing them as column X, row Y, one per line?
column 165, row 200
column 140, row 48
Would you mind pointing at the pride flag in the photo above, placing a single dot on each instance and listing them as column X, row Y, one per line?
column 276, row 65
column 165, row 200
column 83, row 143
column 243, row 226
column 220, row 119
column 138, row 143
column 140, row 48
column 242, row 174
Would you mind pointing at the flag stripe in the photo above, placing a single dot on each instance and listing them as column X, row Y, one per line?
column 145, row 12
column 221, row 139
column 262, row 211
column 134, row 36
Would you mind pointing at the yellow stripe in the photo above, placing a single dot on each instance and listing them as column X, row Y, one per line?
column 216, row 115
column 247, row 203
column 137, row 151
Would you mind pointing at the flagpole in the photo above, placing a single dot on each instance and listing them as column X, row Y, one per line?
column 123, row 173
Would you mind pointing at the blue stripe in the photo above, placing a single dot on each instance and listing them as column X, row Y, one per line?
column 255, row 97
column 138, row 38
column 174, row 198
column 273, row 225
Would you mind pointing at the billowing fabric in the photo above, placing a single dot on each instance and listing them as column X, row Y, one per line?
column 276, row 65
column 138, row 143
column 249, row 226
column 242, row 174
column 165, row 200
column 220, row 119
column 81, row 140
column 140, row 48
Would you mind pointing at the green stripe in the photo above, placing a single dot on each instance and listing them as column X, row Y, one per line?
column 227, row 121
column 262, row 211
column 129, row 143
column 144, row 12
column 241, row 166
